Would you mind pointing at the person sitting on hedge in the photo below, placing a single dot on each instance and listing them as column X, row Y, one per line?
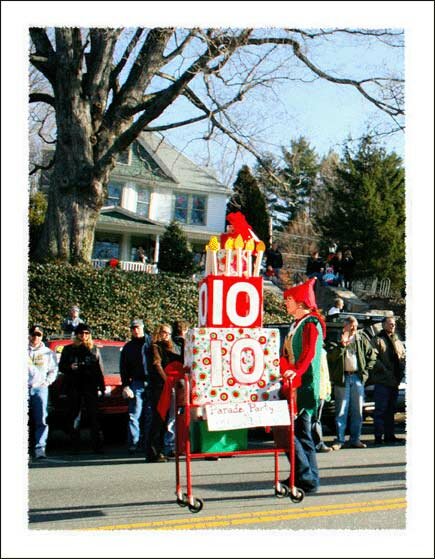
column 71, row 322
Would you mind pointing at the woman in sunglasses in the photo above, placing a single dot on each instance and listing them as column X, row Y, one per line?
column 164, row 352
column 42, row 373
column 82, row 366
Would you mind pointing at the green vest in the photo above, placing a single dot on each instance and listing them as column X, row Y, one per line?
column 308, row 393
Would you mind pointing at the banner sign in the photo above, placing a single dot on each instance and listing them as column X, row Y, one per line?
column 224, row 417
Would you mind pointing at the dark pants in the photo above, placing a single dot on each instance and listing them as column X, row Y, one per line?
column 385, row 407
column 306, row 469
column 89, row 400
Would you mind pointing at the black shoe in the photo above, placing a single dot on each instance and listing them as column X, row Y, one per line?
column 394, row 440
column 160, row 458
column 132, row 450
column 378, row 442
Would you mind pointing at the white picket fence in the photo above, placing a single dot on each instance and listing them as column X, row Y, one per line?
column 126, row 265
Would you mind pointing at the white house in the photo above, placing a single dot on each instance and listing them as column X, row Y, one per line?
column 151, row 185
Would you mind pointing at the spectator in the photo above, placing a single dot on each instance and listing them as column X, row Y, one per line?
column 300, row 363
column 140, row 255
column 179, row 331
column 348, row 267
column 135, row 361
column 82, row 366
column 164, row 352
column 350, row 362
column 274, row 261
column 337, row 263
column 337, row 308
column 329, row 277
column 71, row 322
column 42, row 372
column 315, row 266
column 387, row 375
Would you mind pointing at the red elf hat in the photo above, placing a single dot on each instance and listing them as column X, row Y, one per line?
column 303, row 293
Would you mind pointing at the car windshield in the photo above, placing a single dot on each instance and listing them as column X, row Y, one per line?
column 110, row 356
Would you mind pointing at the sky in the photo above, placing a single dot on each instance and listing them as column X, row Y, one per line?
column 417, row 19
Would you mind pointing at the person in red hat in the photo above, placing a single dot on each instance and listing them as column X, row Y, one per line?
column 300, row 363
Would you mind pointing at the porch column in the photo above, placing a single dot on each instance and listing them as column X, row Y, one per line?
column 125, row 247
column 156, row 250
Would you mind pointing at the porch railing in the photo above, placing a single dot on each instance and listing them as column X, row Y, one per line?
column 126, row 265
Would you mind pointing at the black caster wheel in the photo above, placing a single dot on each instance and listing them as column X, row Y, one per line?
column 197, row 505
column 297, row 496
column 183, row 502
column 282, row 492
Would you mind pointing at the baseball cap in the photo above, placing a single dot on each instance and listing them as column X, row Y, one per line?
column 136, row 322
column 36, row 328
column 83, row 328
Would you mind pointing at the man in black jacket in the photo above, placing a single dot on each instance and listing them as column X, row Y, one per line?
column 134, row 361
column 82, row 366
column 274, row 260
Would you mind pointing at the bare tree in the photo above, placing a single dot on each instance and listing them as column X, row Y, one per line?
column 106, row 86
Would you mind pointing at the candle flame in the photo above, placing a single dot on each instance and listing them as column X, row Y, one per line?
column 229, row 244
column 261, row 247
column 214, row 244
column 250, row 245
column 238, row 243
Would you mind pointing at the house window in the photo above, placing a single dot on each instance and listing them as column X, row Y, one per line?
column 190, row 208
column 124, row 157
column 114, row 191
column 143, row 202
column 106, row 247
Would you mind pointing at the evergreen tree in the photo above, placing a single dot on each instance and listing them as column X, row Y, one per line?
column 300, row 172
column 248, row 199
column 274, row 191
column 175, row 253
column 368, row 211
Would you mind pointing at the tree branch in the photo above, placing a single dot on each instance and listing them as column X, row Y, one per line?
column 42, row 98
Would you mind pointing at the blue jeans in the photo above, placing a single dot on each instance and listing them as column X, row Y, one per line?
column 306, row 469
column 38, row 401
column 169, row 436
column 385, row 406
column 349, row 401
column 140, row 414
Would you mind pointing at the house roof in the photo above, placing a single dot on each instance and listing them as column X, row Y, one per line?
column 178, row 167
column 116, row 214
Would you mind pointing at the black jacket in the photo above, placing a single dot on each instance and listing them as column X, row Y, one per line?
column 131, row 364
column 274, row 258
column 89, row 376
column 314, row 266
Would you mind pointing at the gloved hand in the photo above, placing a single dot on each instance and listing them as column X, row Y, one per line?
column 127, row 393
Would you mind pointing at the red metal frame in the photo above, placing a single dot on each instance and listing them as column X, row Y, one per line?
column 183, row 409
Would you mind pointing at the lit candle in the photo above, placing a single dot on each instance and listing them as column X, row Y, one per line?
column 261, row 247
column 229, row 245
column 249, row 247
column 238, row 245
column 214, row 247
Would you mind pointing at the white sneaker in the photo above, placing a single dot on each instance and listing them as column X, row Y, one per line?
column 40, row 453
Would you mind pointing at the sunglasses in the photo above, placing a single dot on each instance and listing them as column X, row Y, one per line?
column 84, row 332
column 38, row 334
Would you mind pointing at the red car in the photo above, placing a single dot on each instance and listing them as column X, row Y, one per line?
column 113, row 408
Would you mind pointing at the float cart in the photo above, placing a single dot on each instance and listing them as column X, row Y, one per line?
column 184, row 411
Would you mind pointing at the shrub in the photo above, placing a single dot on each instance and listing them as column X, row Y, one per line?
column 109, row 298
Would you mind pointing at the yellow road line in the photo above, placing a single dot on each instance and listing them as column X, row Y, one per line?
column 274, row 515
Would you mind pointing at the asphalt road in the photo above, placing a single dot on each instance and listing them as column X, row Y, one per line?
column 360, row 489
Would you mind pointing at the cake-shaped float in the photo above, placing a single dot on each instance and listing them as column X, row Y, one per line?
column 232, row 358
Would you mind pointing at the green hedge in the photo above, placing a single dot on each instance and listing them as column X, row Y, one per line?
column 110, row 298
